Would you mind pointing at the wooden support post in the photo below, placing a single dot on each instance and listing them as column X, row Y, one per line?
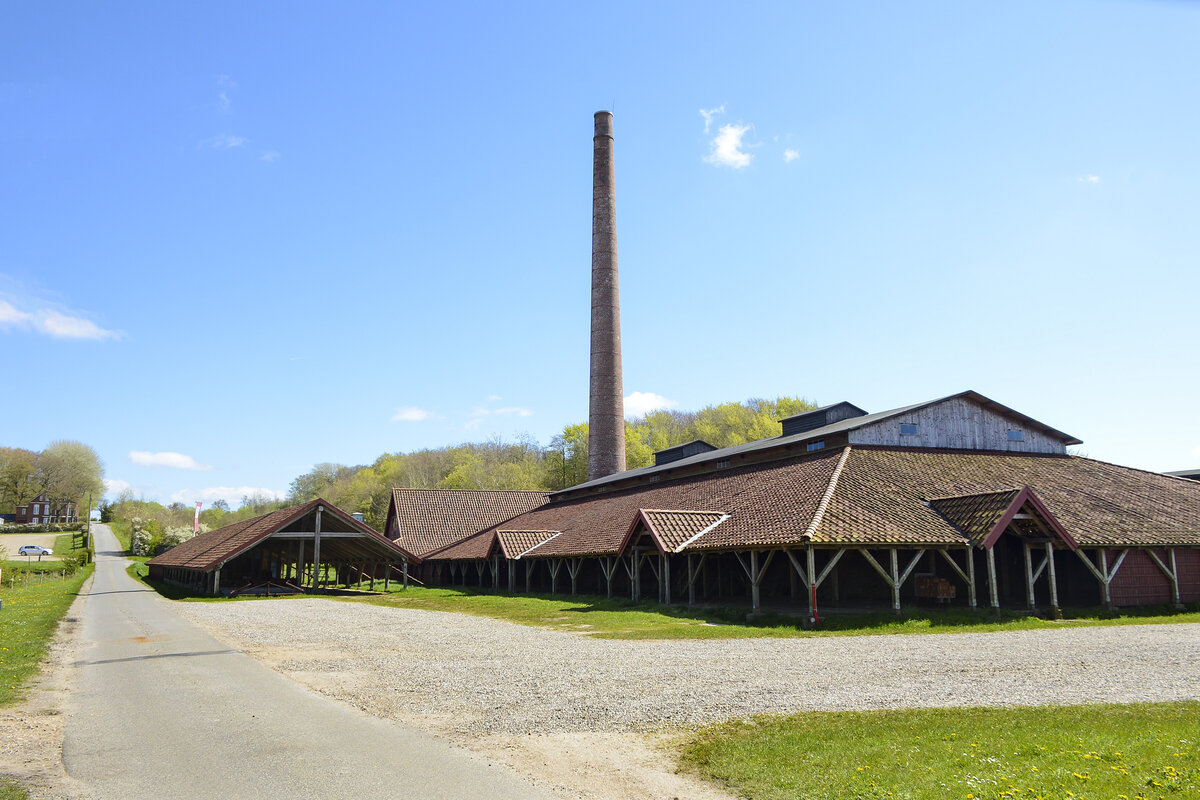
column 971, row 576
column 528, row 569
column 1106, row 580
column 374, row 569
column 300, row 566
column 217, row 581
column 666, row 578
column 691, row 580
column 611, row 569
column 1053, row 578
column 387, row 576
column 995, row 593
column 1029, row 598
column 635, row 574
column 754, row 591
column 573, row 567
column 512, row 575
column 317, row 549
column 894, row 559
column 812, row 585
column 1174, row 579
column 404, row 571
column 495, row 572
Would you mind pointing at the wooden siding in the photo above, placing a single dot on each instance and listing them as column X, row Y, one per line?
column 956, row 424
column 1140, row 582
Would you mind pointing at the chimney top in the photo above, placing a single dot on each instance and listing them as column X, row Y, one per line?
column 604, row 123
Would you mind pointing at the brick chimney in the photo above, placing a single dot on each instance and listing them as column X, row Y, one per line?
column 606, row 410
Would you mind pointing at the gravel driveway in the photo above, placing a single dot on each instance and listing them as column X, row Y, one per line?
column 473, row 676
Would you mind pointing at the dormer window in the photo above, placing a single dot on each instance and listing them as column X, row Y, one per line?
column 817, row 445
column 908, row 429
column 723, row 463
column 1016, row 436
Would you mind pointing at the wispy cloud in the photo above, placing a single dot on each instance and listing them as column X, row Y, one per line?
column 223, row 103
column 709, row 113
column 52, row 323
column 790, row 155
column 1090, row 179
column 166, row 459
column 410, row 414
column 230, row 494
column 270, row 156
column 493, row 398
column 727, row 148
column 115, row 486
column 226, row 141
column 513, row 411
column 639, row 404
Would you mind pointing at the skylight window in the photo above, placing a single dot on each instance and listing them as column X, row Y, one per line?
column 908, row 429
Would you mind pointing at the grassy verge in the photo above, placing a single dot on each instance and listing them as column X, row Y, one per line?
column 28, row 619
column 1138, row 751
column 123, row 531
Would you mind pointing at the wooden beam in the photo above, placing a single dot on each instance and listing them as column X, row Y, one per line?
column 1053, row 578
column 1029, row 598
column 993, row 590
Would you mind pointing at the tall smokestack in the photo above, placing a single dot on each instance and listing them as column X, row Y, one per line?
column 606, row 411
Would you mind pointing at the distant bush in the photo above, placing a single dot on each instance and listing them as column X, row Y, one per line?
column 42, row 527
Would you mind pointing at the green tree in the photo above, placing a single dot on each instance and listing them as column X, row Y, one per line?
column 70, row 470
column 18, row 478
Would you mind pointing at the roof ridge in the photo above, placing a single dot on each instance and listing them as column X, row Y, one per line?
column 822, row 506
column 470, row 491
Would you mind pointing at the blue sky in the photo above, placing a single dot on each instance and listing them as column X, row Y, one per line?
column 240, row 239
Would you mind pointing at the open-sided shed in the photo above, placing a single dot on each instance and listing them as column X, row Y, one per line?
column 300, row 548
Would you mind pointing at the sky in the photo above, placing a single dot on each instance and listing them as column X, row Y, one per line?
column 239, row 239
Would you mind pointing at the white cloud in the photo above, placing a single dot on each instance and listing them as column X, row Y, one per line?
column 115, row 486
column 410, row 414
column 166, row 459
column 53, row 323
column 508, row 412
column 494, row 397
column 790, row 155
column 270, row 156
column 226, row 141
column 639, row 404
column 230, row 494
column 62, row 326
column 223, row 103
column 11, row 316
column 727, row 148
column 1092, row 179
column 709, row 113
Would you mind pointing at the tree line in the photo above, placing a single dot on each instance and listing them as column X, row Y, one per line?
column 66, row 471
column 522, row 463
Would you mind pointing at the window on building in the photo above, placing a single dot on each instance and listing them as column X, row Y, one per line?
column 655, row 478
column 36, row 508
column 817, row 445
column 908, row 429
column 723, row 463
column 1016, row 436
column 35, row 520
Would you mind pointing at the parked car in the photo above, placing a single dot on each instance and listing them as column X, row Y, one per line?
column 34, row 550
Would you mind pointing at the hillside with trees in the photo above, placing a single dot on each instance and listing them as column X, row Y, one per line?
column 496, row 464
column 65, row 471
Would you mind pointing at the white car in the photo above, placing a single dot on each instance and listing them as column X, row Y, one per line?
column 34, row 550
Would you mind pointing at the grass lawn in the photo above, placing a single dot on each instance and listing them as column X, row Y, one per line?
column 11, row 790
column 123, row 532
column 28, row 619
column 1103, row 751
column 621, row 619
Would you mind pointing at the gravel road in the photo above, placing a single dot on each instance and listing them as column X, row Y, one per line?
column 470, row 676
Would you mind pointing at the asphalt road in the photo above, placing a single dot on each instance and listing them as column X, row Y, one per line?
column 161, row 709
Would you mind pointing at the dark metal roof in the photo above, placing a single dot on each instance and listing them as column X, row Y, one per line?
column 1194, row 474
column 763, row 446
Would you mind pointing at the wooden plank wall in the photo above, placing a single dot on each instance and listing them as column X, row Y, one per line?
column 957, row 424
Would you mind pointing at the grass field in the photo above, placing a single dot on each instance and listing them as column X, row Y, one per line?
column 28, row 619
column 11, row 790
column 1138, row 751
column 622, row 619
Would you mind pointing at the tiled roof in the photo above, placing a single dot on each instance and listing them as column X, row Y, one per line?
column 882, row 493
column 517, row 543
column 976, row 515
column 673, row 529
column 763, row 448
column 769, row 505
column 214, row 548
column 428, row 520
